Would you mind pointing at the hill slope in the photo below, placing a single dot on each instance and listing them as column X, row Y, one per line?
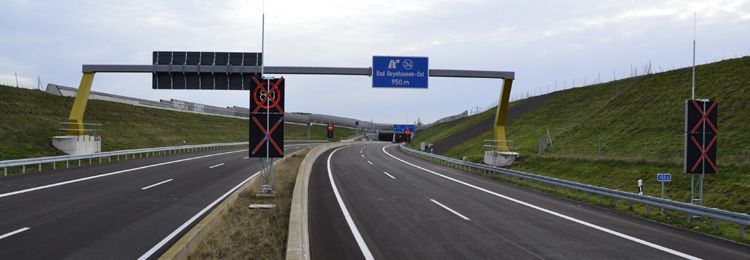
column 30, row 119
column 621, row 113
column 488, row 123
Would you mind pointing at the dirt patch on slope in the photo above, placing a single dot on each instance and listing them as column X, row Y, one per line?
column 489, row 123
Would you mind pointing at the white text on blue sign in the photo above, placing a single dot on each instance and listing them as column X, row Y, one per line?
column 400, row 72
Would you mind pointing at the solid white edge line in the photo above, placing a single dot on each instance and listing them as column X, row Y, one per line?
column 157, row 184
column 357, row 236
column 390, row 175
column 600, row 228
column 216, row 166
column 191, row 220
column 108, row 174
column 449, row 209
column 14, row 232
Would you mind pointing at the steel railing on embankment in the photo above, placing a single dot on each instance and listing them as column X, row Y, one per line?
column 691, row 210
column 54, row 160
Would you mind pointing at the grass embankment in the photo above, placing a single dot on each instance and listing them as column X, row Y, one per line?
column 621, row 113
column 256, row 233
column 30, row 119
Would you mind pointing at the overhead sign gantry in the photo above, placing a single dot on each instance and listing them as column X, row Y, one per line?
column 226, row 74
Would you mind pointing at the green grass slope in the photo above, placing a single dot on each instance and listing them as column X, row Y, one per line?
column 30, row 119
column 621, row 113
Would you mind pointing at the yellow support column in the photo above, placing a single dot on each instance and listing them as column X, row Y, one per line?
column 502, row 112
column 79, row 105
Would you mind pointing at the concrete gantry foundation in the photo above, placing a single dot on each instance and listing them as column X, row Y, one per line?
column 78, row 144
column 500, row 159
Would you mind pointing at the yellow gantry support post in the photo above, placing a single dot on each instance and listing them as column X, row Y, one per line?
column 502, row 112
column 79, row 105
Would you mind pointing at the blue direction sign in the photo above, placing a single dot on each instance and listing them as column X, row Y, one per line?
column 399, row 72
column 402, row 128
column 664, row 177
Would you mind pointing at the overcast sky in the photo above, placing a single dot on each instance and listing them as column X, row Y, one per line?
column 541, row 41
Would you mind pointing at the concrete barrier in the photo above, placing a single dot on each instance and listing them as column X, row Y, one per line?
column 298, row 240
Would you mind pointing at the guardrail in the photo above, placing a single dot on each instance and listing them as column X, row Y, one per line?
column 305, row 141
column 125, row 153
column 79, row 128
column 494, row 145
column 741, row 219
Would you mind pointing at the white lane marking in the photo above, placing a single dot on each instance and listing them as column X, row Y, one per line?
column 357, row 236
column 108, row 174
column 449, row 209
column 600, row 228
column 191, row 220
column 157, row 184
column 390, row 175
column 216, row 166
column 14, row 232
column 245, row 158
column 363, row 156
column 370, row 162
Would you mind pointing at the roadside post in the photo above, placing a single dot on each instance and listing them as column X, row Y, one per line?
column 663, row 177
column 640, row 187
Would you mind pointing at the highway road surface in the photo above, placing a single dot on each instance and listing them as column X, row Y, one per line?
column 373, row 201
column 134, row 209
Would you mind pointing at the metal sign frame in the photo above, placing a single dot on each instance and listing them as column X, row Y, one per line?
column 703, row 152
column 79, row 105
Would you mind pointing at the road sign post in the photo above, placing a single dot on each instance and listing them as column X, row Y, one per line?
column 663, row 177
column 308, row 131
column 400, row 72
column 330, row 132
column 267, row 127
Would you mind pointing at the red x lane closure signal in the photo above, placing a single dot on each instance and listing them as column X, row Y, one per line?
column 268, row 136
column 704, row 154
column 701, row 132
column 704, row 116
